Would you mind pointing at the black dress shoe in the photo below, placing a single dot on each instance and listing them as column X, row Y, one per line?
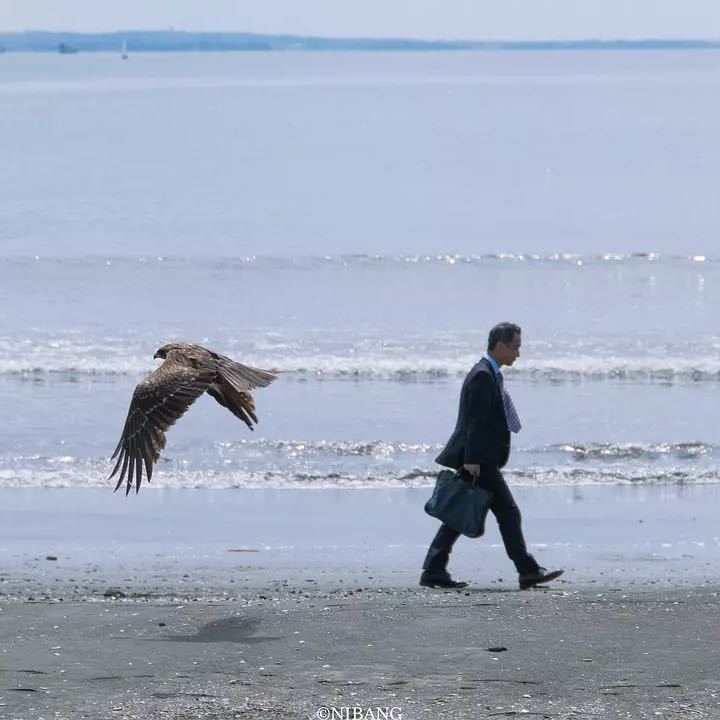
column 441, row 581
column 539, row 577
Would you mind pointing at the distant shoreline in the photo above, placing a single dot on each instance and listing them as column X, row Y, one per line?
column 175, row 41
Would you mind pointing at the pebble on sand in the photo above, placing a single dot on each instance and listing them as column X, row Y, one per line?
column 114, row 593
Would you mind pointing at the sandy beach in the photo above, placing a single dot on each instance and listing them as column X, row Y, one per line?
column 291, row 649
column 181, row 604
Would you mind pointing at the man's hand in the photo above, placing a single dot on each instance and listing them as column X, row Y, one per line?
column 474, row 470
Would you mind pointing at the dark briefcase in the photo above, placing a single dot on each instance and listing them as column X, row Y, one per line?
column 459, row 503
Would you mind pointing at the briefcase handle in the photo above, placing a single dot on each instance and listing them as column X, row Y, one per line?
column 465, row 476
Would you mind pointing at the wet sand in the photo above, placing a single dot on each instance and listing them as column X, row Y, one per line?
column 224, row 617
column 207, row 543
column 291, row 649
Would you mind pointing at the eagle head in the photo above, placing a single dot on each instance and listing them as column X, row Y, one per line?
column 161, row 353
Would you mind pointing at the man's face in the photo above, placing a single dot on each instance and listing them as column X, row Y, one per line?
column 509, row 352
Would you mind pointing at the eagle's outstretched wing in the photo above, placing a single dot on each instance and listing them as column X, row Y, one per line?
column 242, row 377
column 157, row 403
column 233, row 384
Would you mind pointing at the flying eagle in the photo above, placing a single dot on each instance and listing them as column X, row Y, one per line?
column 164, row 396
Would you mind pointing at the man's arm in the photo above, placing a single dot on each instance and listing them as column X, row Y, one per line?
column 480, row 392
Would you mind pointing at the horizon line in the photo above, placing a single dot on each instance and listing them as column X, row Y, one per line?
column 383, row 38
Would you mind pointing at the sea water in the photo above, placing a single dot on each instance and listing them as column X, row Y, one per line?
column 358, row 222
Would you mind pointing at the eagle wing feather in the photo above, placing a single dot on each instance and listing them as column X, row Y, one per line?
column 158, row 402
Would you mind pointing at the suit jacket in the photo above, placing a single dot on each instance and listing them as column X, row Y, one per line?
column 481, row 434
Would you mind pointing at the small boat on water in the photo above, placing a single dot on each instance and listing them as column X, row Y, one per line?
column 65, row 49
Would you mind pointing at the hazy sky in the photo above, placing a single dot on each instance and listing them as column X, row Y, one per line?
column 473, row 19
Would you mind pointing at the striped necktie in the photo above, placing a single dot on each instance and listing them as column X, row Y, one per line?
column 513, row 420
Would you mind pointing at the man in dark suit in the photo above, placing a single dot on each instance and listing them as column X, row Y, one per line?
column 478, row 448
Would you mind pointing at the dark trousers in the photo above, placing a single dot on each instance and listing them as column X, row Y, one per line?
column 509, row 520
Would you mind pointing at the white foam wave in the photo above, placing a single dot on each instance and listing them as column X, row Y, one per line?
column 383, row 369
column 66, row 471
column 380, row 449
column 327, row 448
column 631, row 451
column 639, row 475
column 414, row 359
column 450, row 260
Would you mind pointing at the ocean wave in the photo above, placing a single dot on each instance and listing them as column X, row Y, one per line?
column 363, row 260
column 339, row 355
column 69, row 471
column 630, row 451
column 355, row 368
column 382, row 449
column 641, row 475
column 327, row 448
column 94, row 474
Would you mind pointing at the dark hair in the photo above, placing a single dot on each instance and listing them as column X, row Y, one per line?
column 502, row 332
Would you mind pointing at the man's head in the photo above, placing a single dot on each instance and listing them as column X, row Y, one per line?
column 504, row 343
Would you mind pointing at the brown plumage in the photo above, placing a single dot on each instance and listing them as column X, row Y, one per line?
column 164, row 396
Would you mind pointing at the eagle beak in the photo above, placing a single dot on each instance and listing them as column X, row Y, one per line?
column 156, row 356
